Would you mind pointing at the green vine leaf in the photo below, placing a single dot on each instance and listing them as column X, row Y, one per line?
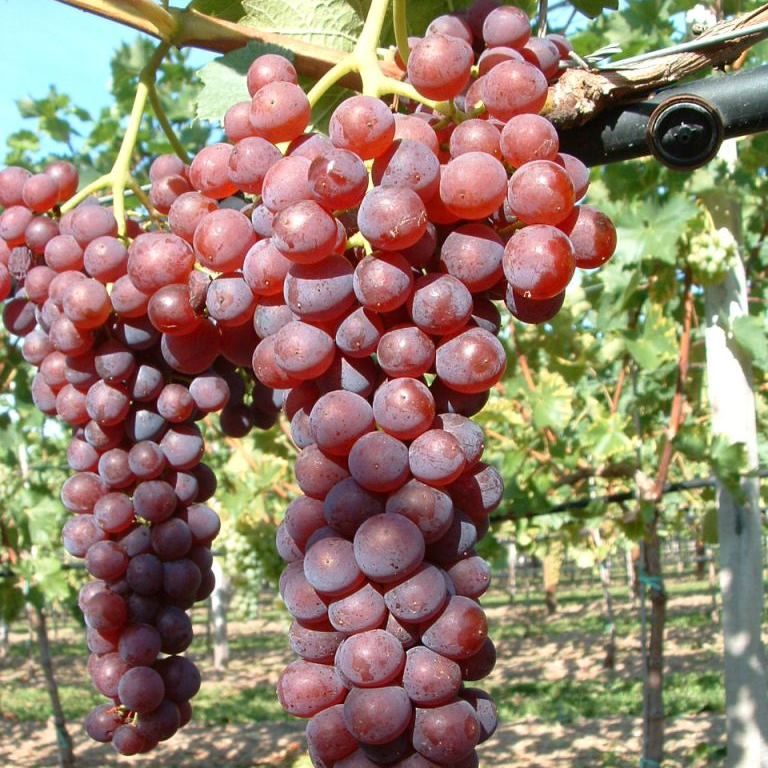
column 730, row 462
column 750, row 335
column 657, row 344
column 609, row 438
column 592, row 8
column 551, row 402
column 229, row 10
column 648, row 230
column 331, row 23
column 224, row 82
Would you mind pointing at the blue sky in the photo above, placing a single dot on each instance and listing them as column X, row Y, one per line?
column 46, row 42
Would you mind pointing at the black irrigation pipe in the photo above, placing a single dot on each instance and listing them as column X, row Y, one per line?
column 682, row 125
column 619, row 498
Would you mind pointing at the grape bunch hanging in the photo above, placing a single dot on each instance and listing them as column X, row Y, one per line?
column 351, row 282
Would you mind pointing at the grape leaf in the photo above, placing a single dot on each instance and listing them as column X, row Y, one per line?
column 11, row 599
column 592, row 8
column 729, row 461
column 650, row 231
column 229, row 10
column 332, row 23
column 224, row 81
column 608, row 437
column 657, row 342
column 709, row 526
column 551, row 402
column 749, row 333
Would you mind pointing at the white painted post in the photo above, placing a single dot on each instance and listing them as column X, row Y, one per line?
column 732, row 399
column 219, row 604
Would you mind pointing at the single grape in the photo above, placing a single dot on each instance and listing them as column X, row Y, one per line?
column 383, row 281
column 512, row 88
column 430, row 679
column 446, row 734
column 592, row 235
column 269, row 68
column 361, row 611
column 420, row 597
column 439, row 66
column 370, row 659
column 471, row 362
column 363, row 125
column 377, row 715
column 391, row 218
column 541, row 192
column 539, row 261
column 209, row 171
column 388, row 547
column 459, row 631
column 379, row 462
column 338, row 179
column 306, row 688
column 280, row 111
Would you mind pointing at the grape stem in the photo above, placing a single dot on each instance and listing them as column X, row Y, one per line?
column 400, row 23
column 119, row 177
column 165, row 123
column 365, row 61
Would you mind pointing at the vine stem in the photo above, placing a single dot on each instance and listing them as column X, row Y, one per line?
column 400, row 23
column 121, row 170
column 119, row 177
column 165, row 123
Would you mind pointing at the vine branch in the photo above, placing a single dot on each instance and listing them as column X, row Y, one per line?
column 676, row 416
column 577, row 97
column 579, row 94
column 165, row 123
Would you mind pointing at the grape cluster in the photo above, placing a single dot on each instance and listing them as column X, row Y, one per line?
column 132, row 349
column 352, row 281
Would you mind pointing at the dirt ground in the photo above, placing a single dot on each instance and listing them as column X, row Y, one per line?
column 525, row 743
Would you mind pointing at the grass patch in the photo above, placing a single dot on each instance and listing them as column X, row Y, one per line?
column 627, row 625
column 31, row 704
column 222, row 704
column 565, row 701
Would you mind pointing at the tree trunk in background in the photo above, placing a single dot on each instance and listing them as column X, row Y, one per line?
column 219, row 604
column 739, row 526
column 552, row 563
column 653, row 688
column 64, row 741
column 701, row 559
column 609, row 662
